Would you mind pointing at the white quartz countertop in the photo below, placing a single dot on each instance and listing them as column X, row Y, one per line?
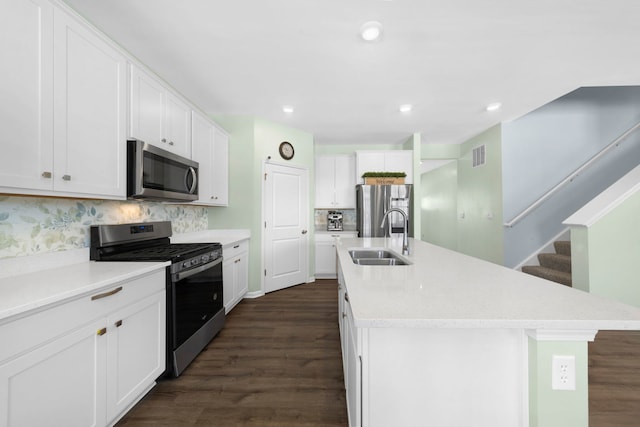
column 446, row 289
column 224, row 237
column 23, row 293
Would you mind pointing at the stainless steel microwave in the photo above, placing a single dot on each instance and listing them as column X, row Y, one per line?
column 157, row 174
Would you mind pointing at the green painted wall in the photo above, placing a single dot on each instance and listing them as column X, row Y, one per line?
column 474, row 225
column 557, row 408
column 251, row 141
column 605, row 256
column 439, row 205
column 440, row 151
column 350, row 148
column 480, row 232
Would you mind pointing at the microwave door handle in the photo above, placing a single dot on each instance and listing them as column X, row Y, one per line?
column 193, row 173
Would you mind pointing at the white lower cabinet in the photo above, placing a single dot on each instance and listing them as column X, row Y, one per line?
column 325, row 254
column 135, row 352
column 351, row 344
column 235, row 273
column 353, row 370
column 87, row 361
column 60, row 383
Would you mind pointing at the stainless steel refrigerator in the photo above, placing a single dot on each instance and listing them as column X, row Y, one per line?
column 372, row 201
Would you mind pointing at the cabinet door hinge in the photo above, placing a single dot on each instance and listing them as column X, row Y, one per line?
column 265, row 272
column 265, row 176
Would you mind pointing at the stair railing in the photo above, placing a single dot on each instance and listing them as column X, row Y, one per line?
column 616, row 142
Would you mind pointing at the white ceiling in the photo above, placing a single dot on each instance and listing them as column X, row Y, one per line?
column 447, row 58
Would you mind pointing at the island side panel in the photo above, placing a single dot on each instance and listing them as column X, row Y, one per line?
column 445, row 377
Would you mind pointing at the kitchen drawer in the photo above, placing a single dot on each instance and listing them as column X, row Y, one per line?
column 234, row 249
column 45, row 325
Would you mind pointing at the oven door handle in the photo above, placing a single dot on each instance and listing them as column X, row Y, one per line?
column 183, row 275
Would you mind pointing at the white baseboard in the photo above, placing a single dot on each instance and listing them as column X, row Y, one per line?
column 254, row 294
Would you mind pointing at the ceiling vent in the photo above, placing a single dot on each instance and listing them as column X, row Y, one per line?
column 479, row 156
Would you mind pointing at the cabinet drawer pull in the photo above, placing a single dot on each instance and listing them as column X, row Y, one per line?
column 101, row 332
column 346, row 297
column 118, row 323
column 46, row 174
column 170, row 142
column 66, row 177
column 236, row 246
column 164, row 140
column 236, row 261
column 344, row 315
column 106, row 294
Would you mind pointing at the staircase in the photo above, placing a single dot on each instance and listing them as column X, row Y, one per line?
column 554, row 266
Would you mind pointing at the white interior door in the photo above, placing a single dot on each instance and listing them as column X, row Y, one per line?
column 286, row 224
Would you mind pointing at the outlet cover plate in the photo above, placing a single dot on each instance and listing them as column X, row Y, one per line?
column 563, row 373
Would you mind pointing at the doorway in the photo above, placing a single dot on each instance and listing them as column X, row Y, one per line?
column 286, row 225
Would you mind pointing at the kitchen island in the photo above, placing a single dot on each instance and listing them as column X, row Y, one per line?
column 451, row 340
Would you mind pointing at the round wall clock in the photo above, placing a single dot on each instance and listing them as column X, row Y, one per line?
column 286, row 150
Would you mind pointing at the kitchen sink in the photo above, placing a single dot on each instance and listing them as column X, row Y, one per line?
column 376, row 257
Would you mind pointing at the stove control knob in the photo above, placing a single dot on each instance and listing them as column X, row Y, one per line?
column 205, row 258
column 185, row 264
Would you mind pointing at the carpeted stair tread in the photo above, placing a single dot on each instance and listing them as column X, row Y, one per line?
column 548, row 273
column 562, row 247
column 558, row 262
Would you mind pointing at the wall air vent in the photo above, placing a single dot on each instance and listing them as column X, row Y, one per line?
column 479, row 157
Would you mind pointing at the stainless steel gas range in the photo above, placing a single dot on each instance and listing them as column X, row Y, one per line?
column 195, row 308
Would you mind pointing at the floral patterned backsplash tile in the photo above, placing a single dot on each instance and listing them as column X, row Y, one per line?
column 31, row 225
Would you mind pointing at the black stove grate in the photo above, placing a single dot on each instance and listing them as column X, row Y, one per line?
column 164, row 252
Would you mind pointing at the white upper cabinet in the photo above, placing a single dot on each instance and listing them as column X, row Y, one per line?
column 325, row 181
column 384, row 161
column 220, row 183
column 345, row 181
column 90, row 111
column 335, row 182
column 158, row 116
column 27, row 94
column 211, row 151
column 178, row 126
column 67, row 75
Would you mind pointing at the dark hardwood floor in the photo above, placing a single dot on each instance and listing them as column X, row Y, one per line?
column 614, row 379
column 277, row 363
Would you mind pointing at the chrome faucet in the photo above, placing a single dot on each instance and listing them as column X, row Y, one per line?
column 405, row 240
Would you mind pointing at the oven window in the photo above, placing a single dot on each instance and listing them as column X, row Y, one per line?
column 196, row 299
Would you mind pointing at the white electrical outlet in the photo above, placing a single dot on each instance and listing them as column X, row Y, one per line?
column 563, row 373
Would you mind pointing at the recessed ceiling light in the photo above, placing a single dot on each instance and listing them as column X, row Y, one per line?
column 287, row 109
column 406, row 108
column 494, row 106
column 371, row 31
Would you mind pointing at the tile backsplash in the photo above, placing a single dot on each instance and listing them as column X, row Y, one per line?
column 31, row 225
